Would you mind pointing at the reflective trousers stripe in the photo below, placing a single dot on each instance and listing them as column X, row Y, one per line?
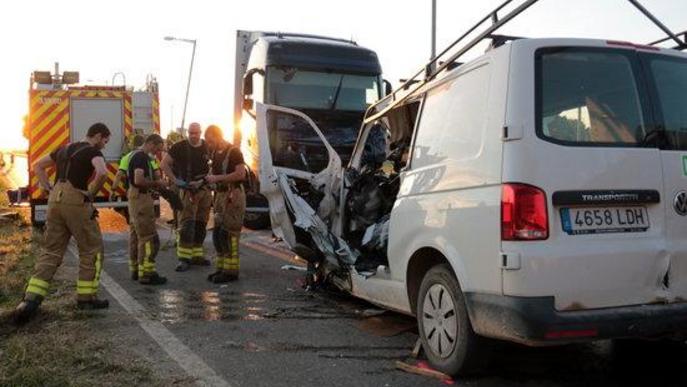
column 197, row 252
column 183, row 252
column 38, row 286
column 231, row 264
column 91, row 287
column 227, row 263
column 148, row 265
column 86, row 287
column 235, row 247
column 98, row 269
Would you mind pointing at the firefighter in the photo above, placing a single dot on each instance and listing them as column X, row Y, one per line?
column 186, row 164
column 122, row 175
column 227, row 175
column 70, row 214
column 142, row 179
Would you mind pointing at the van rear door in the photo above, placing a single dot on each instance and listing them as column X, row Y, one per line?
column 298, row 176
column 667, row 76
column 595, row 156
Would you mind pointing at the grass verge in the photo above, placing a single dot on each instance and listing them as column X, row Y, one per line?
column 61, row 346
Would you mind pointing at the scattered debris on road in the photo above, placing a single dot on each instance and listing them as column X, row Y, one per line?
column 417, row 349
column 294, row 267
column 421, row 368
column 371, row 312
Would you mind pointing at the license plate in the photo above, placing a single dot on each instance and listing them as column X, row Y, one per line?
column 40, row 215
column 595, row 220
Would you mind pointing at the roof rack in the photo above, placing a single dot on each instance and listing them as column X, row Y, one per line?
column 500, row 40
column 680, row 47
column 443, row 61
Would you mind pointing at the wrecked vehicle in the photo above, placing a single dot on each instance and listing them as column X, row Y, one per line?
column 535, row 194
column 331, row 80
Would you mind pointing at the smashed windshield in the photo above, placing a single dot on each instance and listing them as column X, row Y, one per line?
column 301, row 89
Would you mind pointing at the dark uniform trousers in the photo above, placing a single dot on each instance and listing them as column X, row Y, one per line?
column 193, row 220
column 70, row 214
column 144, row 242
column 230, row 207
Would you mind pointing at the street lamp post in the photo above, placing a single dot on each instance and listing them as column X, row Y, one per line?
column 190, row 71
column 433, row 44
column 434, row 29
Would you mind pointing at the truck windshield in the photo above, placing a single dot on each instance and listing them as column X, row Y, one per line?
column 301, row 89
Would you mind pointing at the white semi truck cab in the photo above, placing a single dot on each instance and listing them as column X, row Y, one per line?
column 331, row 80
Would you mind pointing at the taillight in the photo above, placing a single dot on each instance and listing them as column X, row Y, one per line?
column 523, row 213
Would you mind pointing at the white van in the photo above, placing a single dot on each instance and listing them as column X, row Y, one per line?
column 537, row 194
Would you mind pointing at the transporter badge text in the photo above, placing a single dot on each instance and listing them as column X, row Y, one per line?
column 627, row 197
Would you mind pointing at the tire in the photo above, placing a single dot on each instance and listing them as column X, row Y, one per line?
column 448, row 340
column 256, row 220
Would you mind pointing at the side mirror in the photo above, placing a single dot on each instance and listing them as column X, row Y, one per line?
column 387, row 88
column 248, row 84
column 247, row 104
column 248, row 80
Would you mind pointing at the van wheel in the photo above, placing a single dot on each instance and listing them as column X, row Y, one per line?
column 447, row 337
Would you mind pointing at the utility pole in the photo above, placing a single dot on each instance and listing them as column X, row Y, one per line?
column 188, row 85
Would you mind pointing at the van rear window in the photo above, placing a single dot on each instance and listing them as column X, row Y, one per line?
column 588, row 96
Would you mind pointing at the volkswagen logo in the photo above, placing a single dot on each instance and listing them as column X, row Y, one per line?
column 680, row 203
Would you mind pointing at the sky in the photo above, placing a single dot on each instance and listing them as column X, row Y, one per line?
column 101, row 38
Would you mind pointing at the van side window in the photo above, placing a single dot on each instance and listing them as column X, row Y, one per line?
column 453, row 119
column 670, row 83
column 588, row 96
column 294, row 143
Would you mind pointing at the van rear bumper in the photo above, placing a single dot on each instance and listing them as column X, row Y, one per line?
column 535, row 321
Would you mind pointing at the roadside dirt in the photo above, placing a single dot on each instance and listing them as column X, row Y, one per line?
column 62, row 346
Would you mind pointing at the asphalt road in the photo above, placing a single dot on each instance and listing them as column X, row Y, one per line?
column 266, row 330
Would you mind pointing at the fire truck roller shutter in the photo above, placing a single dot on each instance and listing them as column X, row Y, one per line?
column 87, row 111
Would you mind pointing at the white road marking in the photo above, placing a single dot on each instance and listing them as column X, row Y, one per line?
column 183, row 355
